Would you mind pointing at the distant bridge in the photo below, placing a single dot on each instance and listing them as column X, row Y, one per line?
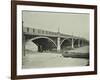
column 52, row 41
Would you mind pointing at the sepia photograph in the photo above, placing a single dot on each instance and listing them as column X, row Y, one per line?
column 55, row 39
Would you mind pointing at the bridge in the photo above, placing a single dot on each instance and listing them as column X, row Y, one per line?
column 52, row 41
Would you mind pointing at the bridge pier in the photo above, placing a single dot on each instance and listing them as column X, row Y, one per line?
column 72, row 43
column 79, row 44
column 58, row 44
column 82, row 44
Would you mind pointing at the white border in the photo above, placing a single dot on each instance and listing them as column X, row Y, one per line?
column 21, row 71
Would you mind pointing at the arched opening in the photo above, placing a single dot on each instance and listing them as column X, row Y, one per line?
column 76, row 43
column 66, row 44
column 80, row 43
column 44, row 44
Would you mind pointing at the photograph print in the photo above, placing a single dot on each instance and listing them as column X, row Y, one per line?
column 53, row 39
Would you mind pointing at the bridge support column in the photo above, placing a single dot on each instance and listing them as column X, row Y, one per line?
column 72, row 43
column 58, row 44
column 79, row 43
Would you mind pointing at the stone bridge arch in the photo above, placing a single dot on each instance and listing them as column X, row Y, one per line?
column 66, row 43
column 64, row 40
column 73, row 42
column 44, row 43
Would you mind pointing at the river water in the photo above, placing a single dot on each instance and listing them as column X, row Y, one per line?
column 47, row 60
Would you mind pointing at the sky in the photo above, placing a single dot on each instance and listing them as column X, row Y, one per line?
column 68, row 23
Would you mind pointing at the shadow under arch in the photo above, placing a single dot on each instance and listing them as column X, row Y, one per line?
column 44, row 43
column 69, row 39
column 66, row 43
column 77, row 43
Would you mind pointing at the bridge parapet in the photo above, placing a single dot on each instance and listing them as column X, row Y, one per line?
column 39, row 32
column 34, row 31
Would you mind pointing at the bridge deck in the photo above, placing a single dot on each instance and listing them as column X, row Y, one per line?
column 33, row 31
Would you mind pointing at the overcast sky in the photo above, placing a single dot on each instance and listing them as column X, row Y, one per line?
column 69, row 23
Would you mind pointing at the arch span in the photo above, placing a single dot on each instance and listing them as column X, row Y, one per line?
column 66, row 44
column 44, row 38
column 44, row 43
column 69, row 39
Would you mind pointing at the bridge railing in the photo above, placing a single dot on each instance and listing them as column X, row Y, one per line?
column 64, row 35
column 38, row 31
